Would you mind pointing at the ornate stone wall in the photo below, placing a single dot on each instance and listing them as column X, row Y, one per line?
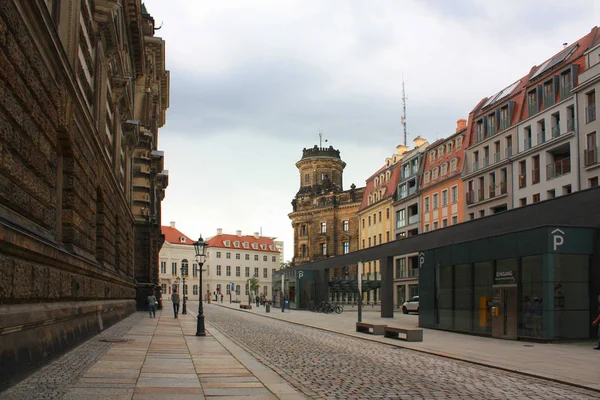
column 70, row 112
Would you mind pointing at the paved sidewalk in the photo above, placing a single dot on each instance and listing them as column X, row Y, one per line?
column 569, row 363
column 162, row 358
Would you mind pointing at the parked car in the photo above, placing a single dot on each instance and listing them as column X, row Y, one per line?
column 411, row 305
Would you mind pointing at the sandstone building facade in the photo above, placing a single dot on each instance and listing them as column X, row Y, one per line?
column 324, row 216
column 83, row 91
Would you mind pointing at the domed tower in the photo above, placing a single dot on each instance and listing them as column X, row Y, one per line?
column 320, row 170
column 324, row 215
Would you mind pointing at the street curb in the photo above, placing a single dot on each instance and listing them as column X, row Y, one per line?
column 449, row 356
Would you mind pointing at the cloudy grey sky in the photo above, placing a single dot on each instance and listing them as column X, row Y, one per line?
column 253, row 81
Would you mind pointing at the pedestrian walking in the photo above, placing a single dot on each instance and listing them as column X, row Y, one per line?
column 175, row 299
column 221, row 298
column 596, row 322
column 152, row 305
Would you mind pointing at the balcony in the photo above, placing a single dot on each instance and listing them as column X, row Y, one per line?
column 565, row 90
column 571, row 125
column 548, row 101
column 541, row 137
column 590, row 156
column 412, row 190
column 555, row 131
column 527, row 143
column 496, row 157
column 558, row 168
column 508, row 152
column 502, row 187
column 535, row 176
column 480, row 194
column 522, row 181
column 590, row 113
column 486, row 161
column 532, row 109
column 476, row 166
column 413, row 219
column 492, row 190
column 470, row 197
column 504, row 124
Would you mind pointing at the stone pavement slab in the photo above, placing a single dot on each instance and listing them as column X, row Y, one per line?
column 569, row 363
column 161, row 358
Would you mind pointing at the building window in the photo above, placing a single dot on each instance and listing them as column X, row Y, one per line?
column 426, row 204
column 237, row 256
column 455, row 220
column 453, row 164
column 400, row 268
column 523, row 202
column 228, row 289
column 454, row 194
column 324, row 249
column 265, row 272
column 400, row 218
column 228, row 270
column 432, row 156
column 273, row 259
column 237, row 290
column 346, row 247
column 426, row 227
column 471, row 216
column 174, row 268
column 590, row 109
column 444, row 197
column 363, row 223
column 444, row 222
column 256, row 272
column 218, row 254
column 306, row 178
column 387, row 213
column 435, row 173
column 247, row 272
column 163, row 267
column 195, row 290
column 247, row 257
column 444, row 169
column 194, row 270
column 379, row 216
column 323, row 227
column 593, row 182
column 536, row 198
column 435, row 201
column 459, row 142
column 426, row 177
column 218, row 270
column 256, row 257
column 265, row 258
column 436, row 225
column 345, row 226
column 238, row 271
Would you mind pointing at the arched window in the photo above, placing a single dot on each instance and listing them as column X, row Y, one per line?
column 184, row 267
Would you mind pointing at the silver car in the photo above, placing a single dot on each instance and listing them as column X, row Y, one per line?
column 411, row 305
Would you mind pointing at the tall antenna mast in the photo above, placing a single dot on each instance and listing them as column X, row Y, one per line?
column 404, row 110
column 320, row 138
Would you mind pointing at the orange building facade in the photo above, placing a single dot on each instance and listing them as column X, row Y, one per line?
column 442, row 200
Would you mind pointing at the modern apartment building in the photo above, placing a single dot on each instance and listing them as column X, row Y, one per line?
column 588, row 125
column 375, row 213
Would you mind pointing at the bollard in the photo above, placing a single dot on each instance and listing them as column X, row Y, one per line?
column 268, row 307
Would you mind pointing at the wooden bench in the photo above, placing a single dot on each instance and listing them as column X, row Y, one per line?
column 246, row 306
column 412, row 334
column 374, row 329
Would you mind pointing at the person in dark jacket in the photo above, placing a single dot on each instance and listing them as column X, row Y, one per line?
column 175, row 299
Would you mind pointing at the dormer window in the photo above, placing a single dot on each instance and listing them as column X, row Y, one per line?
column 432, row 156
column 388, row 174
column 435, row 173
column 440, row 152
column 376, row 182
column 245, row 245
column 254, row 246
column 182, row 239
column 449, row 147
column 444, row 169
column 227, row 243
column 263, row 246
column 271, row 247
column 453, row 164
column 459, row 141
column 427, row 177
column 236, row 244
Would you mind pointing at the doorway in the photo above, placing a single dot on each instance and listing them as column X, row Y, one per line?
column 504, row 312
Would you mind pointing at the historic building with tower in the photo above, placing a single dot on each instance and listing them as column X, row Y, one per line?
column 324, row 215
column 83, row 92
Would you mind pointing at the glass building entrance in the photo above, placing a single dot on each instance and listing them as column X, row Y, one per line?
column 478, row 289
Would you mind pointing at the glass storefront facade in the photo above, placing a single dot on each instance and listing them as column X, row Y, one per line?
column 501, row 287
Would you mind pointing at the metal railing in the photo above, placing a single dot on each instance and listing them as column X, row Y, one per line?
column 492, row 190
column 590, row 156
column 413, row 219
column 496, row 157
column 556, row 131
column 486, row 161
column 504, row 124
column 503, row 189
column 541, row 137
column 508, row 152
column 590, row 113
column 571, row 125
column 532, row 108
column 565, row 90
column 548, row 100
column 470, row 197
column 535, row 176
column 480, row 194
column 558, row 168
column 475, row 166
column 527, row 143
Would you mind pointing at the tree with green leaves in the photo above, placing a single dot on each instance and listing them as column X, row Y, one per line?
column 254, row 285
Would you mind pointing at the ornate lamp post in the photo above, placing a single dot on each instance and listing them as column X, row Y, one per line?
column 184, row 272
column 177, row 282
column 200, row 246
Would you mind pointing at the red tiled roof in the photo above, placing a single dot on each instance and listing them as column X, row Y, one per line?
column 390, row 185
column 174, row 236
column 459, row 154
column 219, row 241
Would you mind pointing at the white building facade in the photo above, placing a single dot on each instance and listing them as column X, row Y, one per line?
column 177, row 252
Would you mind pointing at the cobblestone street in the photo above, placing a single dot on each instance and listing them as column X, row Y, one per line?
column 325, row 365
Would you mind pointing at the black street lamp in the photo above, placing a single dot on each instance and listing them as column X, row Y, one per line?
column 200, row 246
column 184, row 272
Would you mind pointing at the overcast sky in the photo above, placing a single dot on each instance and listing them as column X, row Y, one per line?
column 253, row 82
